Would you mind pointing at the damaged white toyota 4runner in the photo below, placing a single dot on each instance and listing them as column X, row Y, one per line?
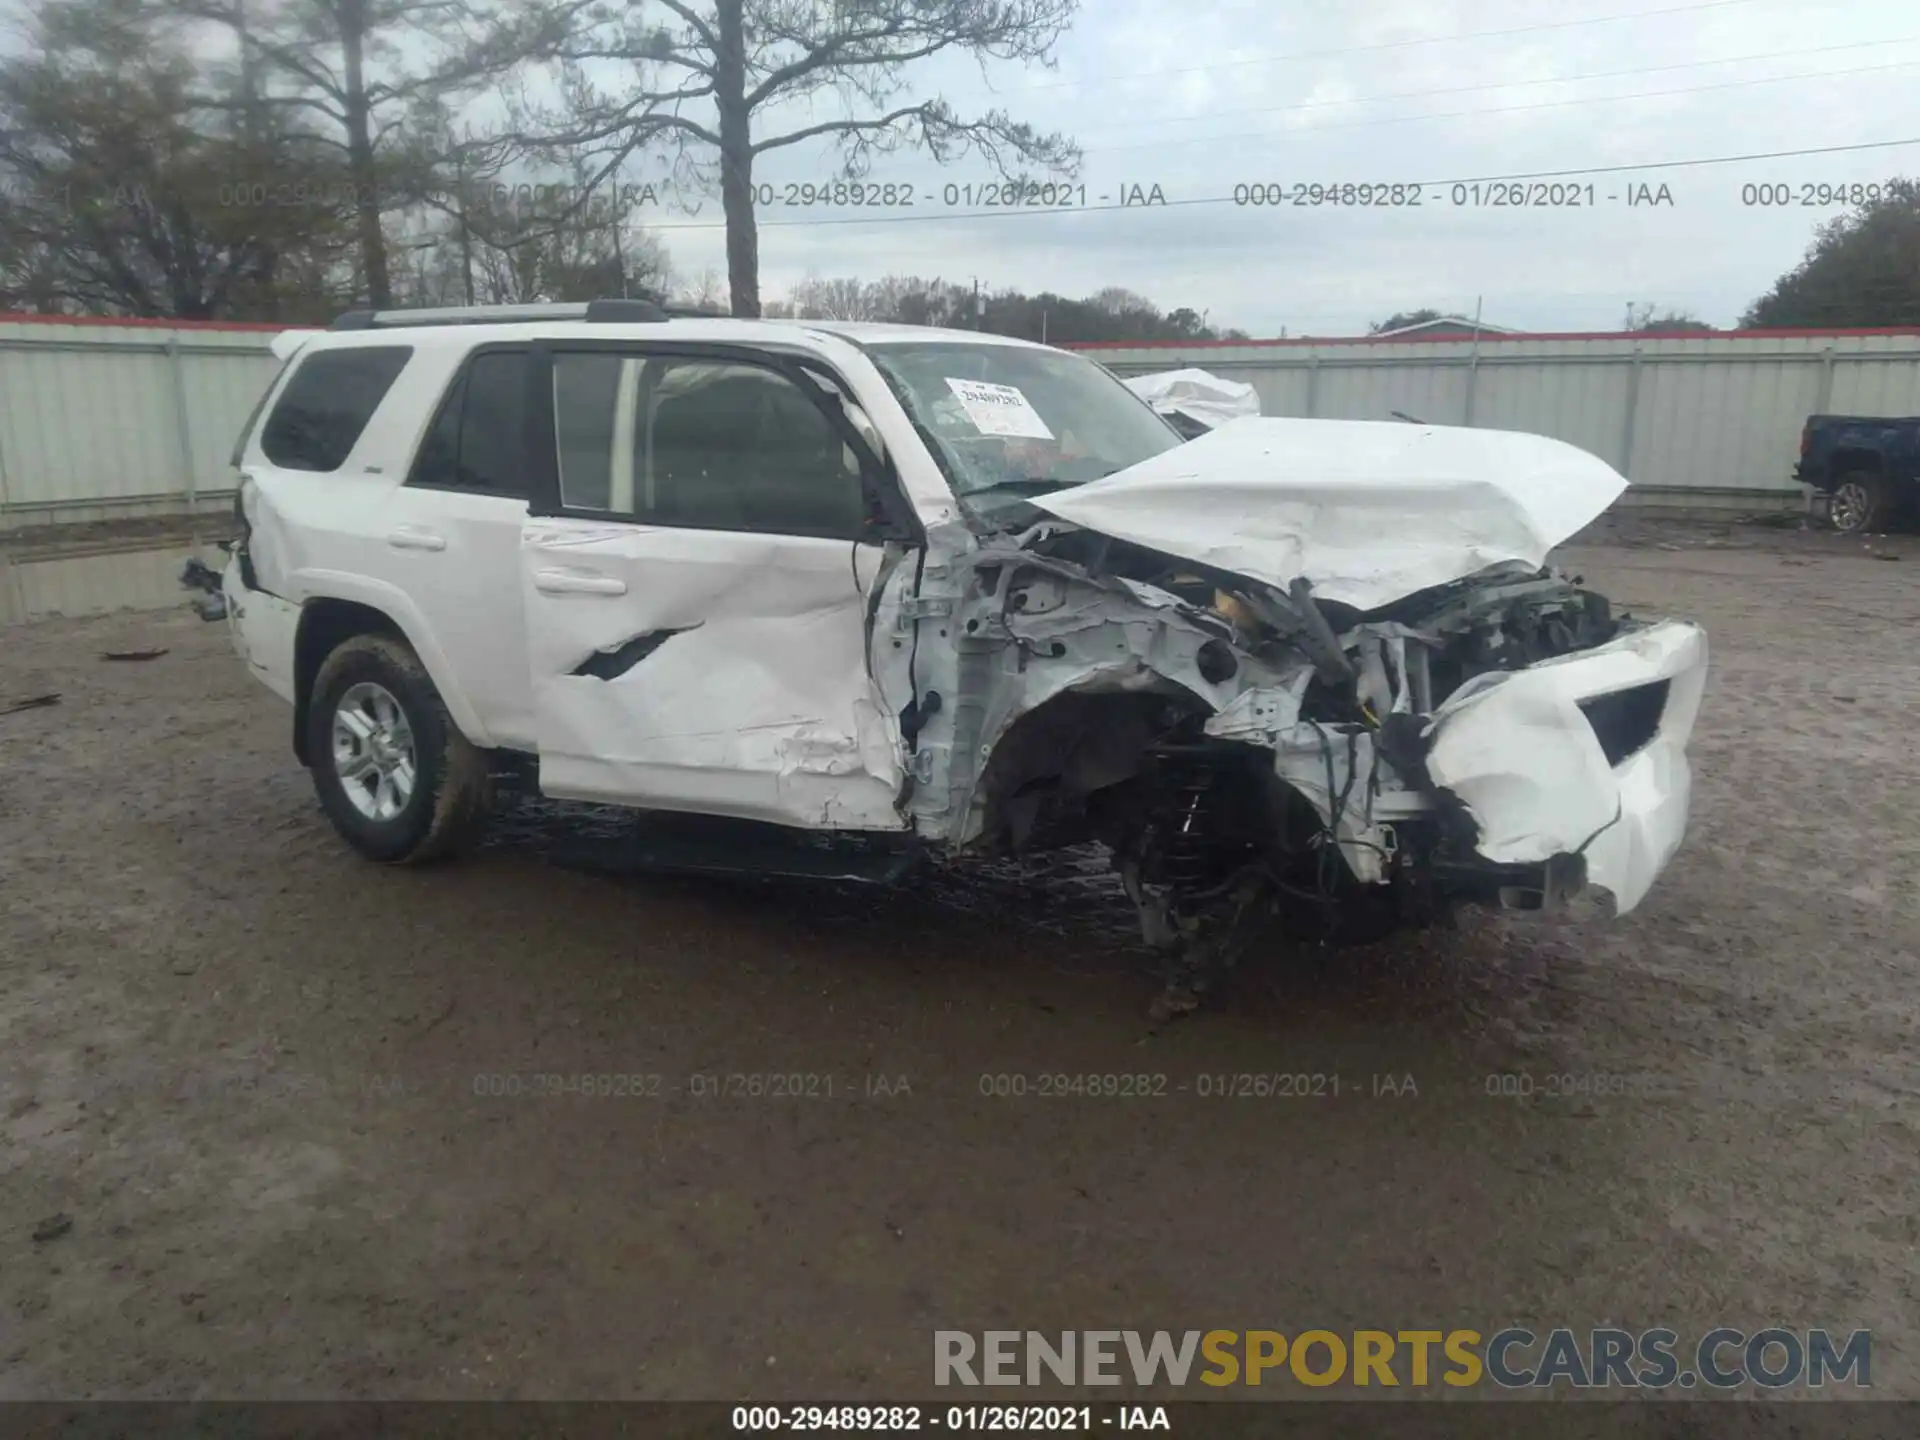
column 937, row 592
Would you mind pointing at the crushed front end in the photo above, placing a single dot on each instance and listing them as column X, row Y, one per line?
column 1246, row 752
column 1317, row 667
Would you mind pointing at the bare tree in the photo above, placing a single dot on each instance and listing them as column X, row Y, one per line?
column 912, row 300
column 1645, row 319
column 343, row 61
column 558, row 248
column 841, row 299
column 705, row 292
column 1118, row 300
column 118, row 199
column 734, row 61
column 1109, row 314
column 1400, row 319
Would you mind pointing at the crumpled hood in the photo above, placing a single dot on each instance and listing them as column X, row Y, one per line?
column 1369, row 511
column 1197, row 395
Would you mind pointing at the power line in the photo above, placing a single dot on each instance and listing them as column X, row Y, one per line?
column 1375, row 48
column 1499, row 109
column 1009, row 211
column 1518, row 85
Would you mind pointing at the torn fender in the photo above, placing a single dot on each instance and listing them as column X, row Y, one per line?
column 1517, row 749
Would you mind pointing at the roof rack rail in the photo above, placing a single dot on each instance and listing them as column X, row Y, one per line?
column 594, row 312
column 625, row 312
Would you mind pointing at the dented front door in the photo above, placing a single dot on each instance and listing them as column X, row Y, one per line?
column 691, row 649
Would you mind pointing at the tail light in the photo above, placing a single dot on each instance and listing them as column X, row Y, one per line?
column 1806, row 439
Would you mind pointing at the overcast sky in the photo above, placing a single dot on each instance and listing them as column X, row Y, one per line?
column 1198, row 98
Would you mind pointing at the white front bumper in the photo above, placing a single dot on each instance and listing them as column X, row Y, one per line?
column 1517, row 750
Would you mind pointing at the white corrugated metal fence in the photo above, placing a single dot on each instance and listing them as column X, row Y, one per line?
column 1708, row 421
column 106, row 421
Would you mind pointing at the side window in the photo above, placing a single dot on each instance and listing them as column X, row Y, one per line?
column 478, row 437
column 438, row 463
column 586, row 398
column 253, row 417
column 701, row 444
column 319, row 416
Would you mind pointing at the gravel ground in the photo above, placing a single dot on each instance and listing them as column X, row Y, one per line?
column 244, row 1075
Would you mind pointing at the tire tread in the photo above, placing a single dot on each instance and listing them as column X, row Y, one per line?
column 462, row 801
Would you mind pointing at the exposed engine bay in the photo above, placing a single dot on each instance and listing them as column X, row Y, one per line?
column 1248, row 751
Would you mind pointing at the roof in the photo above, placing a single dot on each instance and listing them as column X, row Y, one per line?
column 528, row 324
column 872, row 332
column 1444, row 322
column 523, row 323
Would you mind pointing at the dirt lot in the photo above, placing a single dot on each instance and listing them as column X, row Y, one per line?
column 250, row 1070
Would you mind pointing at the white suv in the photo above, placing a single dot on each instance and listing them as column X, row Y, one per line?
column 954, row 594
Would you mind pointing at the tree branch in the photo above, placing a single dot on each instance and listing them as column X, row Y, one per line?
column 843, row 127
column 693, row 18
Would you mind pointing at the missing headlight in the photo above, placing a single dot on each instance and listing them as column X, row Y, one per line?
column 1626, row 720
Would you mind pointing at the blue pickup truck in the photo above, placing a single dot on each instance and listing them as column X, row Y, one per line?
column 1867, row 468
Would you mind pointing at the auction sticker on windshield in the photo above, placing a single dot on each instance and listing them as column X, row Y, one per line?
column 999, row 409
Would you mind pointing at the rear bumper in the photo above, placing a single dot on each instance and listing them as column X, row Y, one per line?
column 262, row 628
column 1580, row 756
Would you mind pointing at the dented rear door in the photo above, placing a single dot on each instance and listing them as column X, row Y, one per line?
column 696, row 595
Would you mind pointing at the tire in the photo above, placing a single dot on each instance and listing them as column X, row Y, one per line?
column 1861, row 503
column 400, row 782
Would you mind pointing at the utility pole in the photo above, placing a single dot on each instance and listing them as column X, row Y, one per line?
column 978, row 319
column 1473, row 364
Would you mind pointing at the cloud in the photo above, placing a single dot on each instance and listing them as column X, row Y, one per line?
column 1204, row 98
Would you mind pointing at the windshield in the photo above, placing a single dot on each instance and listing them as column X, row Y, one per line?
column 1006, row 422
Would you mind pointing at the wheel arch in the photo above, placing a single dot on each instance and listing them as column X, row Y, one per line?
column 1852, row 460
column 337, row 612
column 1092, row 721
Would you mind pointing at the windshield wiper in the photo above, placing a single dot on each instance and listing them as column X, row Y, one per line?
column 1041, row 482
column 1025, row 482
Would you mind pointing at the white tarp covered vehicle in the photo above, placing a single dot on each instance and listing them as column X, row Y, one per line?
column 934, row 592
column 1194, row 401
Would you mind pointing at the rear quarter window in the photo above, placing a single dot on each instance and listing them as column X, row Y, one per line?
column 253, row 415
column 319, row 416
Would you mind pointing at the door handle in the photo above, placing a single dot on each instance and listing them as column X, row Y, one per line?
column 409, row 537
column 576, row 582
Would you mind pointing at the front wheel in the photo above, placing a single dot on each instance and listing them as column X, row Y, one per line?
column 400, row 782
column 1861, row 503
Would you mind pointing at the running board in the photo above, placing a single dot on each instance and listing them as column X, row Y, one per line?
column 663, row 846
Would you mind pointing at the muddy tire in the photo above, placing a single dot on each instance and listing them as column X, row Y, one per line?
column 1861, row 504
column 400, row 782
